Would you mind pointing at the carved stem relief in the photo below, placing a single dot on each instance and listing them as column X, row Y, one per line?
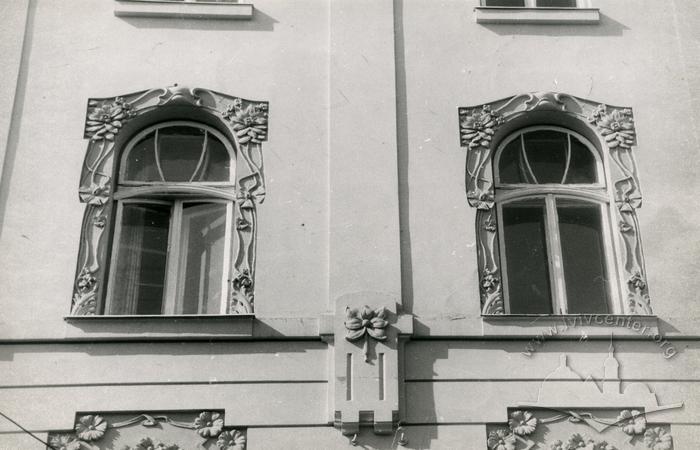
column 105, row 119
column 615, row 126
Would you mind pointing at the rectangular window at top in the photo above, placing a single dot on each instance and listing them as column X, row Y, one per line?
column 532, row 3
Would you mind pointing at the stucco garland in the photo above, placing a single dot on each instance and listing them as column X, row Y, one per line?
column 91, row 428
column 247, row 122
column 615, row 128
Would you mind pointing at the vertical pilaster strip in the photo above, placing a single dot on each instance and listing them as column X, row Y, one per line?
column 364, row 201
column 364, row 242
column 13, row 48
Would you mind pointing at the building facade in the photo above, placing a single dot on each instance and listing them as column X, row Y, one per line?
column 326, row 224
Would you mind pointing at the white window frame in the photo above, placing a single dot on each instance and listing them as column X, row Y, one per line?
column 533, row 4
column 176, row 195
column 590, row 193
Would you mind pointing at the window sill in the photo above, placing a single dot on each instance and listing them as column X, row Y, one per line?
column 552, row 16
column 192, row 10
column 571, row 325
column 160, row 327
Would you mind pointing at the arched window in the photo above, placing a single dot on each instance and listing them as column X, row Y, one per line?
column 554, row 182
column 171, row 249
column 170, row 219
column 556, row 251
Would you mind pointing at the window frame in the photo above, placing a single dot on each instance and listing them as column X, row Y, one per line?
column 611, row 131
column 110, row 123
column 595, row 193
column 533, row 4
column 175, row 195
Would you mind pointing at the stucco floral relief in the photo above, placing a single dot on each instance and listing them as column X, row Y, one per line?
column 90, row 430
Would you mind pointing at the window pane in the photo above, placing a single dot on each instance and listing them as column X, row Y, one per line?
column 181, row 157
column 138, row 279
column 581, row 233
column 582, row 167
column 526, row 255
column 557, row 3
column 180, row 149
column 217, row 162
column 141, row 161
column 202, row 258
column 510, row 168
column 504, row 3
column 546, row 153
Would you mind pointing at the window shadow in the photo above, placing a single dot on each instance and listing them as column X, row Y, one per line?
column 259, row 22
column 606, row 27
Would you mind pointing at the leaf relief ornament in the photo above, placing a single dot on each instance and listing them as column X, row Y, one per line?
column 105, row 121
column 632, row 422
column 477, row 127
column 365, row 323
column 658, row 439
column 249, row 122
column 616, row 126
column 501, row 440
column 522, row 422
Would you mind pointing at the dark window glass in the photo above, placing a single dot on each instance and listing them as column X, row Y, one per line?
column 504, row 3
column 582, row 167
column 582, row 247
column 510, row 167
column 526, row 255
column 179, row 154
column 556, row 3
column 546, row 155
column 138, row 282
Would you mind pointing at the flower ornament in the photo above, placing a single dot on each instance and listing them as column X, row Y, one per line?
column 477, row 127
column 624, row 227
column 103, row 122
column 90, row 427
column 150, row 444
column 637, row 281
column 522, row 422
column 490, row 225
column 603, row 445
column 97, row 194
column 658, row 439
column 231, row 440
column 85, row 282
column 208, row 424
column 616, row 127
column 632, row 422
column 501, row 440
column 489, row 281
column 249, row 122
column 366, row 323
column 247, row 199
column 64, row 442
column 576, row 441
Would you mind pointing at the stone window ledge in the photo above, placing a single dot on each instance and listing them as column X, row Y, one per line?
column 179, row 327
column 552, row 16
column 182, row 9
column 571, row 325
